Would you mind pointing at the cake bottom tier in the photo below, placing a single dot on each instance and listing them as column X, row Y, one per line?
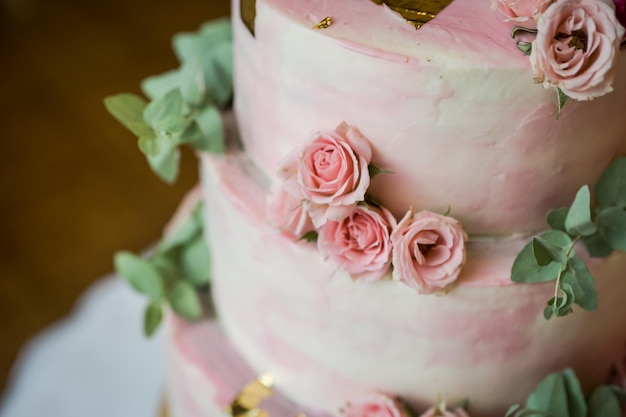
column 327, row 339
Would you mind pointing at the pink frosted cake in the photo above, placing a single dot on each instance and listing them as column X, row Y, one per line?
column 378, row 230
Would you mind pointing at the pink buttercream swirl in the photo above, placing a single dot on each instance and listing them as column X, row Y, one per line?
column 375, row 405
column 285, row 213
column 360, row 244
column 428, row 251
column 520, row 10
column 577, row 46
column 330, row 173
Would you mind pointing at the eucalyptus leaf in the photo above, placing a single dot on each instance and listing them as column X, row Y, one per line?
column 525, row 47
column 152, row 318
column 184, row 300
column 576, row 403
column 611, row 187
column 208, row 134
column 185, row 233
column 128, row 110
column 169, row 104
column 550, row 396
column 140, row 274
column 561, row 100
column 218, row 75
column 546, row 252
column 174, row 124
column 192, row 84
column 597, row 246
column 556, row 218
column 158, row 85
column 577, row 275
column 149, row 145
column 604, row 403
column 526, row 269
column 578, row 220
column 165, row 164
column 196, row 263
column 309, row 237
column 612, row 227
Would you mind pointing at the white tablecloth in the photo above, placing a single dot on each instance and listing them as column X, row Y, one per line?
column 95, row 363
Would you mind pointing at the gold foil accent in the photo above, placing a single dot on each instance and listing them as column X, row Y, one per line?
column 416, row 12
column 324, row 23
column 247, row 10
column 250, row 397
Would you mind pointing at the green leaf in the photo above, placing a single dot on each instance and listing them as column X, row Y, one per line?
column 550, row 396
column 546, row 252
column 169, row 104
column 165, row 164
column 525, row 47
column 375, row 170
column 152, row 318
column 184, row 300
column 597, row 246
column 185, row 233
column 578, row 220
column 208, row 132
column 556, row 218
column 140, row 274
column 575, row 396
column 309, row 237
column 158, row 85
column 561, row 99
column 128, row 110
column 612, row 227
column 611, row 187
column 578, row 277
column 172, row 124
column 196, row 263
column 603, row 402
column 526, row 269
column 149, row 145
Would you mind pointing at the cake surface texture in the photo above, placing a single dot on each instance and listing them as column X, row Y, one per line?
column 405, row 186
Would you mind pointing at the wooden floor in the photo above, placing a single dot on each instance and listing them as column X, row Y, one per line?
column 73, row 186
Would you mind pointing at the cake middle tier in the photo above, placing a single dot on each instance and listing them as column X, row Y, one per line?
column 451, row 110
column 327, row 339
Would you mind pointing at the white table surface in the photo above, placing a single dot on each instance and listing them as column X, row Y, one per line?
column 94, row 363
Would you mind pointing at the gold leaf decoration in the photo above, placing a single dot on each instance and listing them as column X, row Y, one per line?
column 416, row 12
column 250, row 397
column 324, row 23
column 247, row 10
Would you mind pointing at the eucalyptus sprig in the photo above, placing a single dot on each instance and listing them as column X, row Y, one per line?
column 560, row 395
column 185, row 103
column 171, row 274
column 552, row 255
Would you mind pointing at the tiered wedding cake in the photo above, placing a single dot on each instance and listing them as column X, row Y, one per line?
column 378, row 229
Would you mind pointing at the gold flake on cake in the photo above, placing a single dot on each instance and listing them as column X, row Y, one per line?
column 324, row 23
column 416, row 12
column 250, row 397
column 247, row 11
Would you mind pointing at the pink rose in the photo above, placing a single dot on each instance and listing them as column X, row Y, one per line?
column 360, row 243
column 285, row 213
column 375, row 405
column 331, row 172
column 441, row 410
column 619, row 373
column 520, row 10
column 428, row 251
column 576, row 47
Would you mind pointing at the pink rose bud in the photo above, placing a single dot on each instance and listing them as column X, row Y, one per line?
column 332, row 172
column 285, row 213
column 577, row 46
column 620, row 11
column 520, row 10
column 375, row 405
column 360, row 243
column 428, row 251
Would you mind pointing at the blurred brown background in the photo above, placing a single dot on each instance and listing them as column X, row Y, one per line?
column 74, row 188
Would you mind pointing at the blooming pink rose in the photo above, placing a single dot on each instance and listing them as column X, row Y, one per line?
column 520, row 10
column 331, row 172
column 285, row 212
column 360, row 243
column 440, row 409
column 376, row 405
column 576, row 47
column 428, row 251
